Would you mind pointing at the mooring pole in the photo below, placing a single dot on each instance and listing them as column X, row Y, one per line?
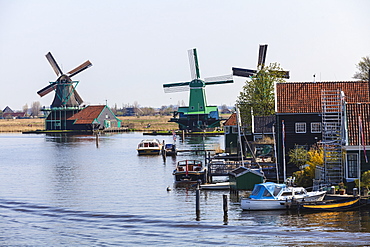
column 225, row 207
column 97, row 139
column 197, row 201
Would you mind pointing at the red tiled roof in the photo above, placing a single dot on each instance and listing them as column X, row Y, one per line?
column 87, row 115
column 231, row 121
column 305, row 97
column 353, row 111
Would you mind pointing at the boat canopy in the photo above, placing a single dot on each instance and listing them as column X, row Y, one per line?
column 267, row 190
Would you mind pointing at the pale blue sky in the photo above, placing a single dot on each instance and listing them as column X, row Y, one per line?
column 136, row 46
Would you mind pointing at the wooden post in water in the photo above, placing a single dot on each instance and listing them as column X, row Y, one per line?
column 97, row 138
column 197, row 201
column 225, row 207
column 163, row 151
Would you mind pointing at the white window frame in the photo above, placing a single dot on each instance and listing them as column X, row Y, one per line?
column 235, row 129
column 300, row 128
column 353, row 166
column 227, row 129
column 316, row 129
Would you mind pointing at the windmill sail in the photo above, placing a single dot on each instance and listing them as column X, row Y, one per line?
column 193, row 61
column 47, row 89
column 80, row 68
column 262, row 55
column 54, row 64
column 219, row 80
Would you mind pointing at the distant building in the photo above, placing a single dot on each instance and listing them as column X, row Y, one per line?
column 8, row 113
column 97, row 117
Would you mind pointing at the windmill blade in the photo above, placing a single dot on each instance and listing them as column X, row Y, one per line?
column 77, row 96
column 219, row 80
column 244, row 72
column 281, row 74
column 285, row 75
column 193, row 61
column 80, row 68
column 176, row 84
column 54, row 64
column 47, row 89
column 176, row 89
column 262, row 55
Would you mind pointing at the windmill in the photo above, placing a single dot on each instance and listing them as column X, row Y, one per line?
column 66, row 101
column 197, row 116
column 261, row 63
column 65, row 89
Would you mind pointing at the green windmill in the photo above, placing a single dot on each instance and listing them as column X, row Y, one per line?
column 197, row 116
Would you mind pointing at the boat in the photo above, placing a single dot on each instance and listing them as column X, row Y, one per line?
column 170, row 149
column 216, row 186
column 273, row 196
column 190, row 171
column 332, row 205
column 149, row 146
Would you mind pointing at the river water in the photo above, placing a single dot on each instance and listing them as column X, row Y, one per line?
column 67, row 191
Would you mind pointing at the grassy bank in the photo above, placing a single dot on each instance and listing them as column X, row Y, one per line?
column 136, row 123
column 20, row 125
column 157, row 123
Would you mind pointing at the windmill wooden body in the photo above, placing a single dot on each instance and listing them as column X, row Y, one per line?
column 66, row 100
column 198, row 115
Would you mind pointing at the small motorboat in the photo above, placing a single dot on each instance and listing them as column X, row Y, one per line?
column 149, row 147
column 273, row 196
column 216, row 186
column 190, row 171
column 341, row 205
column 170, row 149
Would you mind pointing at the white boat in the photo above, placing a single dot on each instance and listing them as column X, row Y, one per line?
column 149, row 146
column 273, row 196
column 216, row 186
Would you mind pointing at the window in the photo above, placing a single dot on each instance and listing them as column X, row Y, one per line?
column 315, row 127
column 352, row 165
column 235, row 129
column 300, row 127
column 227, row 129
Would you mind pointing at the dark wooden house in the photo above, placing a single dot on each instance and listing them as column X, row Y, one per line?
column 299, row 108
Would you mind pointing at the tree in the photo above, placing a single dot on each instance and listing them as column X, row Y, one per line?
column 365, row 180
column 25, row 108
column 298, row 156
column 35, row 108
column 258, row 93
column 364, row 69
column 314, row 158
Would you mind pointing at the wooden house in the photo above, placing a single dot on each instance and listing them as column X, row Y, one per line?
column 300, row 109
column 357, row 140
column 262, row 128
column 231, row 134
column 96, row 117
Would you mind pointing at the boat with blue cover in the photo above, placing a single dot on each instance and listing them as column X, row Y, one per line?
column 273, row 196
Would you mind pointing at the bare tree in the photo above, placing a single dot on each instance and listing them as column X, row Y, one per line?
column 35, row 108
column 25, row 108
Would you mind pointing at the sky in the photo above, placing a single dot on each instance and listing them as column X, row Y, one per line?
column 137, row 46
